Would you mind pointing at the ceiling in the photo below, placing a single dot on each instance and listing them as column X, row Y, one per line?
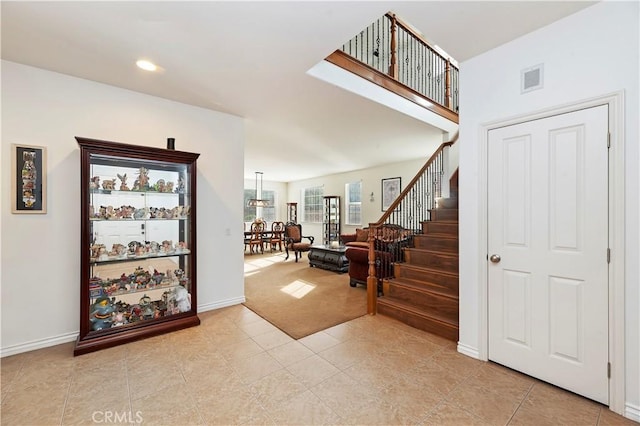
column 250, row 59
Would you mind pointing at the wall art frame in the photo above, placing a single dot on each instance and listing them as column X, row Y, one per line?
column 391, row 188
column 28, row 179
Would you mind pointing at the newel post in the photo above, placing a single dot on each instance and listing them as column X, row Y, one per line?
column 393, row 64
column 372, row 281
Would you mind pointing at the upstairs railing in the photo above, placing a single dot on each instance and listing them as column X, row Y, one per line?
column 392, row 48
column 402, row 220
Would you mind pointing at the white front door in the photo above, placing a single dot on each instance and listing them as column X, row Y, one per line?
column 547, row 250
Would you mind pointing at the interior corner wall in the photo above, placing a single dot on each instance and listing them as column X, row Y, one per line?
column 40, row 264
column 592, row 53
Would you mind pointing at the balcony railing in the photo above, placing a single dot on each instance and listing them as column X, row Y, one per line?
column 390, row 47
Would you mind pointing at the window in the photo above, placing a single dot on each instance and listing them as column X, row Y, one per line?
column 312, row 198
column 353, row 203
column 269, row 213
column 249, row 212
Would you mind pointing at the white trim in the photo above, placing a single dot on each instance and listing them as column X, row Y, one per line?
column 38, row 344
column 632, row 412
column 221, row 304
column 469, row 351
column 615, row 102
column 72, row 337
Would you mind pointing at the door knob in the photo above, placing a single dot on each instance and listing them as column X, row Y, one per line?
column 495, row 258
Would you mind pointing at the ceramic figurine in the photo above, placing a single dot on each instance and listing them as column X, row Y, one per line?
column 109, row 185
column 160, row 185
column 101, row 313
column 183, row 299
column 123, row 182
column 94, row 183
column 142, row 182
column 180, row 189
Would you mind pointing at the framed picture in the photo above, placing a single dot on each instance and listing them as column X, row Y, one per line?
column 391, row 188
column 28, row 179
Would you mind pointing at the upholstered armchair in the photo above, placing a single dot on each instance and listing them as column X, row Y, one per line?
column 293, row 240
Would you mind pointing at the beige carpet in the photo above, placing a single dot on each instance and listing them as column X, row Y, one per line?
column 298, row 299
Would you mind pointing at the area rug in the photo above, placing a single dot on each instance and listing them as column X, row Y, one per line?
column 298, row 299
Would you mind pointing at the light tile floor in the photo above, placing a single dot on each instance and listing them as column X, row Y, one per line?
column 236, row 368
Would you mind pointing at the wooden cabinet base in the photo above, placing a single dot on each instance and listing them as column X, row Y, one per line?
column 103, row 340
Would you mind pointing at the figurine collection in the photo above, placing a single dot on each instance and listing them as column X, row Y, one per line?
column 105, row 312
column 142, row 183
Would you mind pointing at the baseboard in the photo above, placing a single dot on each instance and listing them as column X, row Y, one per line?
column 469, row 351
column 632, row 412
column 72, row 337
column 38, row 344
column 221, row 304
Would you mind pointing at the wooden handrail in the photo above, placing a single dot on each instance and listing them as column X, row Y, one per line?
column 418, row 36
column 372, row 280
column 409, row 187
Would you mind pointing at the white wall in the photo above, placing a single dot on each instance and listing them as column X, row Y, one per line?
column 371, row 182
column 40, row 266
column 591, row 53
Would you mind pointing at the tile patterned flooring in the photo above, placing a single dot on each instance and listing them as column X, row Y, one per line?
column 236, row 368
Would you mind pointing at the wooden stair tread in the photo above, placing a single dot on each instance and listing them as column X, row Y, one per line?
column 416, row 311
column 424, row 286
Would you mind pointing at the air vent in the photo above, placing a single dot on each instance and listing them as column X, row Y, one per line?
column 531, row 78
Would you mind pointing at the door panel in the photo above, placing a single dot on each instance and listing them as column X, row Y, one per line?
column 547, row 209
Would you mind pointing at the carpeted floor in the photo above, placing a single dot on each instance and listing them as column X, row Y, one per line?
column 298, row 299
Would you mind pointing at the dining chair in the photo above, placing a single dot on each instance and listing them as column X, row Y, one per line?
column 277, row 236
column 255, row 240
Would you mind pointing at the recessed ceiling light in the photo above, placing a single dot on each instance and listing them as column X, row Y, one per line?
column 146, row 65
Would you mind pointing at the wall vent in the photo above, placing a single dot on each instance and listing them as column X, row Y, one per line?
column 532, row 78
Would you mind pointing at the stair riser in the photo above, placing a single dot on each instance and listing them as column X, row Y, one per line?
column 424, row 286
column 420, row 322
column 431, row 227
column 425, row 301
column 448, row 263
column 444, row 214
column 432, row 242
column 444, row 280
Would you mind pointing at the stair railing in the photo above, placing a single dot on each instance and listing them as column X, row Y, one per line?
column 403, row 219
column 391, row 47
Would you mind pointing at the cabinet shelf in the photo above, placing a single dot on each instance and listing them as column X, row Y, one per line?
column 138, row 257
column 127, row 258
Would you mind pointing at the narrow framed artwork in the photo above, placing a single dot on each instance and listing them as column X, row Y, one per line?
column 391, row 188
column 28, row 179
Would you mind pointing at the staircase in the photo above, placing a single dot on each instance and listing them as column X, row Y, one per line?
column 424, row 291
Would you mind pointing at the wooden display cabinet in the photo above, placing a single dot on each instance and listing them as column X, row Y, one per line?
column 138, row 239
column 292, row 212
